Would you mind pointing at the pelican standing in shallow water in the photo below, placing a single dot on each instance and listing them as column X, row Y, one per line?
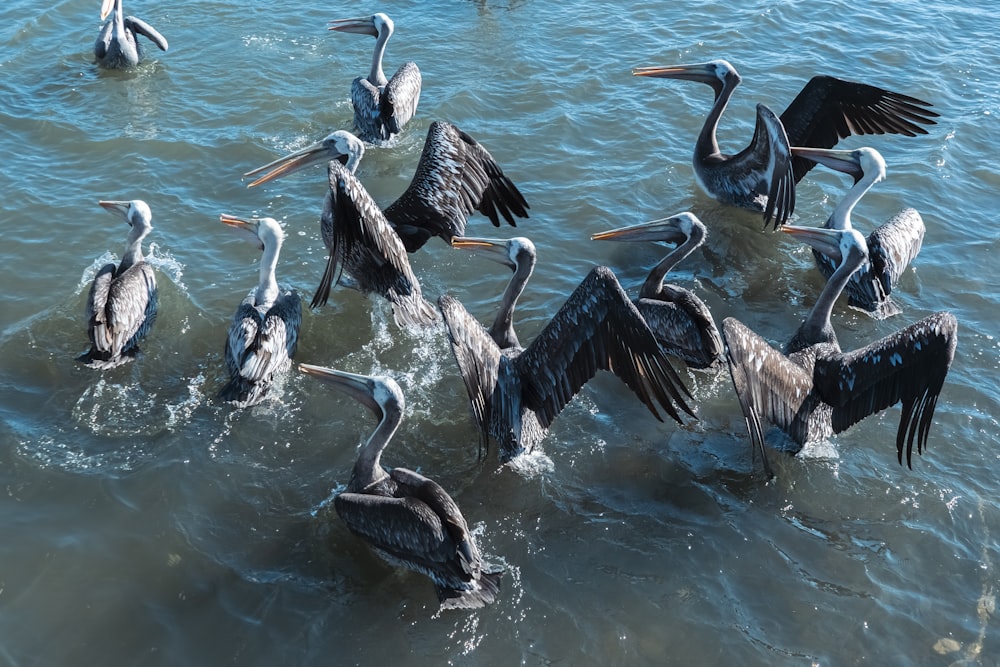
column 265, row 329
column 408, row 519
column 517, row 392
column 826, row 110
column 121, row 305
column 891, row 246
column 382, row 107
column 118, row 45
column 817, row 389
column 681, row 322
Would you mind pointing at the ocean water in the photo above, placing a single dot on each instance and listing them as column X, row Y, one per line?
column 146, row 523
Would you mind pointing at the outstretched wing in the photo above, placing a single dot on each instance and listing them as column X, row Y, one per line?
column 683, row 326
column 768, row 157
column 598, row 328
column 140, row 27
column 829, row 109
column 456, row 175
column 909, row 366
column 399, row 99
column 893, row 245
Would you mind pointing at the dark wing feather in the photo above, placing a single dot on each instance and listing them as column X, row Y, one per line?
column 455, row 176
column 367, row 114
column 598, row 328
column 893, row 245
column 909, row 366
column 97, row 317
column 140, row 27
column 683, row 326
column 829, row 109
column 765, row 167
column 399, row 99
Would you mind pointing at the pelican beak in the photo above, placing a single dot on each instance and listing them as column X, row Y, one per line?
column 703, row 72
column 249, row 225
column 669, row 230
column 844, row 161
column 106, row 8
column 497, row 250
column 321, row 151
column 119, row 207
column 359, row 387
column 826, row 241
column 363, row 25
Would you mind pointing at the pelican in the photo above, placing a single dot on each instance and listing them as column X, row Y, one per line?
column 891, row 246
column 408, row 519
column 817, row 389
column 681, row 322
column 117, row 45
column 517, row 392
column 455, row 176
column 382, row 107
column 826, row 110
column 265, row 329
column 121, row 305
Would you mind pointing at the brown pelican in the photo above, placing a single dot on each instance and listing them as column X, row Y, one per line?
column 455, row 176
column 517, row 392
column 891, row 246
column 681, row 321
column 826, row 110
column 382, row 107
column 817, row 389
column 265, row 328
column 121, row 306
column 408, row 519
column 118, row 45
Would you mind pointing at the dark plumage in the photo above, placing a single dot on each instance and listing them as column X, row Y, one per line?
column 117, row 45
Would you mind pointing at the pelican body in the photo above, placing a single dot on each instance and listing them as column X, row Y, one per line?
column 818, row 389
column 455, row 176
column 382, row 107
column 682, row 323
column 517, row 392
column 826, row 110
column 408, row 519
column 121, row 305
column 891, row 246
column 117, row 45
column 265, row 329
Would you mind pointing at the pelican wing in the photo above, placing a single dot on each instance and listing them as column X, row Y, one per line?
column 478, row 357
column 598, row 328
column 100, row 334
column 893, row 245
column 909, row 366
column 399, row 99
column 131, row 306
column 140, row 27
column 768, row 386
column 366, row 246
column 367, row 114
column 456, row 175
column 683, row 326
column 829, row 109
column 259, row 345
column 765, row 167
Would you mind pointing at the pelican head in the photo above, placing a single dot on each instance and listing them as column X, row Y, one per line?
column 512, row 253
column 716, row 73
column 364, row 25
column 378, row 393
column 859, row 162
column 266, row 232
column 846, row 246
column 136, row 213
column 675, row 229
column 340, row 145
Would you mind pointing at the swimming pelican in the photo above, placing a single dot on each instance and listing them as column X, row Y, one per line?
column 817, row 389
column 826, row 110
column 265, row 328
column 117, row 45
column 121, row 305
column 681, row 322
column 517, row 392
column 382, row 107
column 891, row 246
column 455, row 176
column 408, row 519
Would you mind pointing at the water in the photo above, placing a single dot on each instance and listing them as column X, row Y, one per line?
column 144, row 523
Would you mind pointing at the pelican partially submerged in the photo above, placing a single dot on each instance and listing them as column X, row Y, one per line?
column 815, row 389
column 117, row 45
column 891, row 246
column 265, row 329
column 681, row 322
column 121, row 304
column 382, row 107
column 517, row 392
column 408, row 519
column 826, row 110
column 455, row 176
